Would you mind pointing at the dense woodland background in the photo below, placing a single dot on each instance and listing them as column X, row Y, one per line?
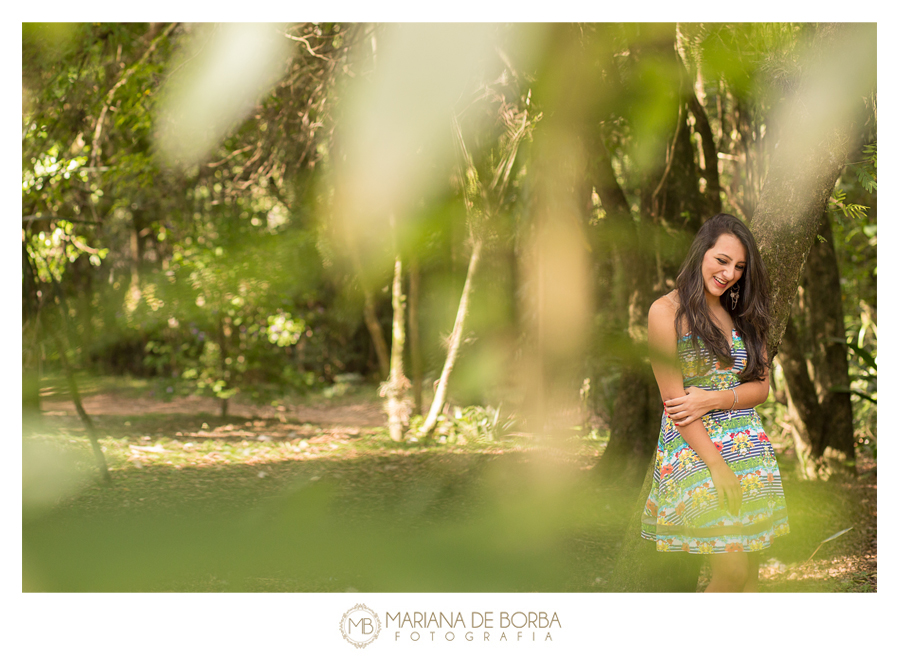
column 464, row 224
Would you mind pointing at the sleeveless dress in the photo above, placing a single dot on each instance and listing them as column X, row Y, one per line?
column 682, row 512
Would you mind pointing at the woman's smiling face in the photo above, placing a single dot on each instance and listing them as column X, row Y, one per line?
column 723, row 265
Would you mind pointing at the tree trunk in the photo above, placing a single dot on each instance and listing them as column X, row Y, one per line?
column 804, row 410
column 710, row 170
column 817, row 134
column 223, row 362
column 822, row 284
column 634, row 429
column 634, row 425
column 415, row 346
column 134, row 285
column 481, row 202
column 819, row 403
column 670, row 196
column 370, row 312
column 31, row 348
column 374, row 326
column 440, row 393
column 394, row 389
column 817, row 140
column 59, row 335
column 31, row 383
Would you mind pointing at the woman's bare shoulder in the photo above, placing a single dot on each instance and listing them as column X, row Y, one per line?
column 661, row 318
column 666, row 306
column 661, row 323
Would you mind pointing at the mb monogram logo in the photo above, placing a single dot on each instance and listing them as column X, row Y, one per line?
column 360, row 626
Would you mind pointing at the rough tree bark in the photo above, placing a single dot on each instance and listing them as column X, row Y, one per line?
column 830, row 367
column 820, row 408
column 710, row 169
column 817, row 134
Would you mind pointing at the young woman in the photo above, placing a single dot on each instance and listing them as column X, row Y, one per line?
column 716, row 486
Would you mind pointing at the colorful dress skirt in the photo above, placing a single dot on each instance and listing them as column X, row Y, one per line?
column 682, row 512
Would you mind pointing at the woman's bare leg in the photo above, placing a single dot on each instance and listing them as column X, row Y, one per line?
column 752, row 584
column 730, row 572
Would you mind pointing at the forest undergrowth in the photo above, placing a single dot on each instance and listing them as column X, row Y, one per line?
column 311, row 495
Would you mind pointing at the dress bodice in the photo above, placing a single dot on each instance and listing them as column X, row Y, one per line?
column 700, row 370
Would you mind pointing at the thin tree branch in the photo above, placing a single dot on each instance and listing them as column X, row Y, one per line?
column 60, row 336
column 37, row 218
column 670, row 154
column 229, row 156
column 98, row 129
column 305, row 43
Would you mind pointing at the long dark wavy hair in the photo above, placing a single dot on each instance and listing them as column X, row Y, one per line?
column 751, row 317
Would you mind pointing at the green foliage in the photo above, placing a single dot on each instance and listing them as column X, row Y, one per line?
column 52, row 251
column 864, row 386
column 230, row 303
column 757, row 60
column 225, row 278
column 466, row 425
column 203, row 277
column 849, row 210
column 865, row 171
column 856, row 245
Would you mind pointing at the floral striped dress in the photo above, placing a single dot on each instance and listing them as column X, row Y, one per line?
column 682, row 511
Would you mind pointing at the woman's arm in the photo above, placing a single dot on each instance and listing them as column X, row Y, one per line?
column 697, row 401
column 662, row 341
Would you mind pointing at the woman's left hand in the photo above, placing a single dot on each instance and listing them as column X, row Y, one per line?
column 690, row 407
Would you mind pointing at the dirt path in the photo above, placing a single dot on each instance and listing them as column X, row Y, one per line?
column 362, row 414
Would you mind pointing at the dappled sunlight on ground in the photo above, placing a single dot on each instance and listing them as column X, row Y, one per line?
column 177, row 456
column 111, row 404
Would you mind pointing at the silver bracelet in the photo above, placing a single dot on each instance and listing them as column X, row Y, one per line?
column 734, row 404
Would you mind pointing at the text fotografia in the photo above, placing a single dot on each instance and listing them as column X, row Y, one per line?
column 479, row 626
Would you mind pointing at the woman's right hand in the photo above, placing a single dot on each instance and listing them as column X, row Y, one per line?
column 728, row 487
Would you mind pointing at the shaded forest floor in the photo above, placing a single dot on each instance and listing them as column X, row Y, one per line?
column 311, row 495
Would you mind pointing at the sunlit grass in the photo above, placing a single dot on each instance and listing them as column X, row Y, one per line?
column 55, row 386
column 201, row 503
